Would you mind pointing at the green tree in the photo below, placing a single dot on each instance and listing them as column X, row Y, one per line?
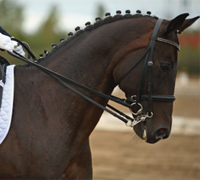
column 100, row 11
column 11, row 14
column 48, row 33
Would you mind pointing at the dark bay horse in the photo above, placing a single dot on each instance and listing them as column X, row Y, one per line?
column 51, row 125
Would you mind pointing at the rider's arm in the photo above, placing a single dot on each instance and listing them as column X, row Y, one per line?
column 7, row 44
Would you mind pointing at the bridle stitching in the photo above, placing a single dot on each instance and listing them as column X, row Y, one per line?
column 168, row 42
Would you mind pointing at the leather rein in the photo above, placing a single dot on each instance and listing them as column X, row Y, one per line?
column 135, row 100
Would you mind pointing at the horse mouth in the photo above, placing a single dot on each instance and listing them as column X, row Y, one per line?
column 151, row 137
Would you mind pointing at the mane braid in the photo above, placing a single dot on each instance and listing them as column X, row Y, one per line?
column 90, row 27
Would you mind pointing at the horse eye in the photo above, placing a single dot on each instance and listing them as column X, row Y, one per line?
column 165, row 66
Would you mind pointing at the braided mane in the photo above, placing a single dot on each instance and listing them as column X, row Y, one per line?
column 99, row 22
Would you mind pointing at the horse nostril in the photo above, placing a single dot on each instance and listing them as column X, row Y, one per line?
column 161, row 133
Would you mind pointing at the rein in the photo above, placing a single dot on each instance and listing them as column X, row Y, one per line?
column 138, row 116
column 64, row 80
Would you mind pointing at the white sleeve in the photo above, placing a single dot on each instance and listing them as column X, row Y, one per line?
column 6, row 43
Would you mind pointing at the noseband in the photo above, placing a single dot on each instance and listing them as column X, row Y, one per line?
column 148, row 71
column 135, row 100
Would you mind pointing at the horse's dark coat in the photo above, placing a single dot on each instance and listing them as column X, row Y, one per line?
column 49, row 135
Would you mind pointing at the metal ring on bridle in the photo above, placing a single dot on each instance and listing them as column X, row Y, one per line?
column 139, row 111
column 149, row 114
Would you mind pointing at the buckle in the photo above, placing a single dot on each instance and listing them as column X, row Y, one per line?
column 136, row 106
column 139, row 118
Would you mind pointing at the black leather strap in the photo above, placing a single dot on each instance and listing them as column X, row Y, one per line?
column 163, row 98
column 63, row 80
column 148, row 68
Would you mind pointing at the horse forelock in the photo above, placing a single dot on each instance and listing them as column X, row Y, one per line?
column 90, row 27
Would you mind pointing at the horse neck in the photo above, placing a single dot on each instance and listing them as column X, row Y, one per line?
column 87, row 63
column 88, row 57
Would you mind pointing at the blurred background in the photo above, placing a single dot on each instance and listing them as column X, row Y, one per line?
column 117, row 152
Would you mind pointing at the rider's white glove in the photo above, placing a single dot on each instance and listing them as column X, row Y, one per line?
column 18, row 48
column 6, row 43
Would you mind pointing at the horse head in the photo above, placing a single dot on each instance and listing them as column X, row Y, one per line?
column 146, row 73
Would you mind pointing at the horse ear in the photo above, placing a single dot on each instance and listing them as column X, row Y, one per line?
column 186, row 24
column 175, row 23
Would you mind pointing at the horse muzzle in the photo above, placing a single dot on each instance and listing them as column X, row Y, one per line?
column 147, row 133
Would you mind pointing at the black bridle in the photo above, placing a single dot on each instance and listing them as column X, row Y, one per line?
column 148, row 71
column 134, row 100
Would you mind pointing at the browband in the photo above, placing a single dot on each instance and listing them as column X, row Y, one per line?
column 168, row 42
